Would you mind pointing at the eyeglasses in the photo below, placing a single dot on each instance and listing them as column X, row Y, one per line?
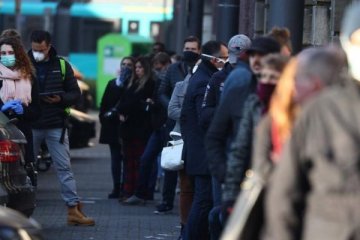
column 220, row 59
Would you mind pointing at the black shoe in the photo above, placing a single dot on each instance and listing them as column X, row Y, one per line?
column 163, row 208
column 114, row 194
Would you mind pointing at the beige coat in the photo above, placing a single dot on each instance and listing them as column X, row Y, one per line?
column 315, row 190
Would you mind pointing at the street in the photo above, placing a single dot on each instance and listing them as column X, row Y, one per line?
column 91, row 168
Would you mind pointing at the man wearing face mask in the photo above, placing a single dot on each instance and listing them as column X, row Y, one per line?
column 239, row 84
column 58, row 90
column 314, row 192
column 176, row 72
column 237, row 47
column 193, row 135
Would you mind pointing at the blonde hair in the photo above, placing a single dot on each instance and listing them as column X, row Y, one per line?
column 283, row 109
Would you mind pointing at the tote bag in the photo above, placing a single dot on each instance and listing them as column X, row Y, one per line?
column 171, row 154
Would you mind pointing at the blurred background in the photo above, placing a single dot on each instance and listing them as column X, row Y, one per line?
column 95, row 34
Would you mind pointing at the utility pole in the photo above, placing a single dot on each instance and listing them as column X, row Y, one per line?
column 228, row 15
column 290, row 14
column 180, row 16
column 62, row 27
column 195, row 20
column 18, row 17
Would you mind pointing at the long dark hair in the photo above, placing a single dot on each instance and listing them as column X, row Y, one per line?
column 145, row 63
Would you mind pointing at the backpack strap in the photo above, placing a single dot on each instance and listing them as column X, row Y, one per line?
column 62, row 68
column 66, row 110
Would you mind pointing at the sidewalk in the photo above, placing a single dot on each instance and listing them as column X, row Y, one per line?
column 91, row 167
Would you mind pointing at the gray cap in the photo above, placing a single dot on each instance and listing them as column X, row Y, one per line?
column 237, row 45
column 351, row 20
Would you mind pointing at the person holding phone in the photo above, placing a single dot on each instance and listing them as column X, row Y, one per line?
column 61, row 91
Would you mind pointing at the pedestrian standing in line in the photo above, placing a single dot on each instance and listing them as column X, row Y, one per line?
column 214, row 55
column 135, row 118
column 148, row 161
column 255, row 107
column 109, row 120
column 59, row 91
column 176, row 73
column 237, row 47
column 19, row 92
column 314, row 190
column 239, row 84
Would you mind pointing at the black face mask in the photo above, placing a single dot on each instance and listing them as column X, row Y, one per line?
column 190, row 58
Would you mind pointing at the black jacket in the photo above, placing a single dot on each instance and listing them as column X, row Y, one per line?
column 109, row 126
column 53, row 115
column 240, row 152
column 134, row 107
column 193, row 135
column 157, row 110
column 226, row 119
column 212, row 95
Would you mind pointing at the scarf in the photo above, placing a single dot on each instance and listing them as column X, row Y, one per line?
column 264, row 92
column 14, row 87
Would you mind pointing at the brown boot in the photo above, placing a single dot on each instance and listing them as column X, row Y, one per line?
column 78, row 218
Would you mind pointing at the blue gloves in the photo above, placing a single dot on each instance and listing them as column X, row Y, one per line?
column 8, row 105
column 18, row 108
column 14, row 105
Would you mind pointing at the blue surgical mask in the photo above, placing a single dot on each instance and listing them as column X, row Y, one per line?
column 8, row 60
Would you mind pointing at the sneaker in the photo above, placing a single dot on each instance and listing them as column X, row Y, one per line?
column 163, row 208
column 134, row 200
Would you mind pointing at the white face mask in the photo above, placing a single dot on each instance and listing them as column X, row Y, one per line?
column 353, row 55
column 38, row 56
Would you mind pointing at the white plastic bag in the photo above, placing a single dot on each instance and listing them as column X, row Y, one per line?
column 171, row 155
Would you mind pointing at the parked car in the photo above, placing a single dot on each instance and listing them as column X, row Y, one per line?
column 15, row 226
column 16, row 188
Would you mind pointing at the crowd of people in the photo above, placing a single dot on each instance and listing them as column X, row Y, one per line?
column 247, row 104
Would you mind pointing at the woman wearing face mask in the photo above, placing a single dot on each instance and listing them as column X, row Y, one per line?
column 109, row 120
column 255, row 107
column 19, row 91
column 135, row 118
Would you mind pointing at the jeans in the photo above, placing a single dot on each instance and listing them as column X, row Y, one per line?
column 60, row 155
column 197, row 224
column 116, row 164
column 216, row 191
column 148, row 165
column 215, row 224
column 170, row 181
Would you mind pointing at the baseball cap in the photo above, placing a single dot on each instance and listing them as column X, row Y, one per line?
column 351, row 20
column 264, row 45
column 236, row 45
